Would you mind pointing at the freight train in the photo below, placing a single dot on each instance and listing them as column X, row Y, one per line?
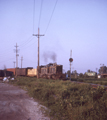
column 29, row 71
column 50, row 71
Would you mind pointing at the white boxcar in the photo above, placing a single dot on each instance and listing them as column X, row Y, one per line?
column 32, row 72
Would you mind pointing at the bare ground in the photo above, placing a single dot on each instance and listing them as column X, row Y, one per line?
column 15, row 104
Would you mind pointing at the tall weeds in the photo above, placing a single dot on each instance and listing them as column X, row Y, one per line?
column 67, row 100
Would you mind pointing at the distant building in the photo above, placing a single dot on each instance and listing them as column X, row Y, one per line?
column 91, row 74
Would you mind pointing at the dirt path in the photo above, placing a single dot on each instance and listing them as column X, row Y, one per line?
column 15, row 104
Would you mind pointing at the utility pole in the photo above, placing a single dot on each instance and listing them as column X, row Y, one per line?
column 14, row 64
column 21, row 61
column 16, row 58
column 38, row 35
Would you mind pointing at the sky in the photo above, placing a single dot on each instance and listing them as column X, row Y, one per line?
column 77, row 25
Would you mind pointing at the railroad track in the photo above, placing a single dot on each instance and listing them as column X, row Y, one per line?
column 93, row 85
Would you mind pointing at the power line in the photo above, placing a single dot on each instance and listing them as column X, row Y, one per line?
column 25, row 47
column 29, row 61
column 51, row 16
column 7, row 60
column 40, row 13
column 5, row 51
column 5, row 54
column 8, row 50
column 22, row 46
column 33, row 15
column 27, row 41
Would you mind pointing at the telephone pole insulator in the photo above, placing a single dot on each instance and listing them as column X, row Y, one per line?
column 38, row 35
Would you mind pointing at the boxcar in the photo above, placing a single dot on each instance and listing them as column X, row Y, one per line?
column 12, row 70
column 32, row 72
column 6, row 73
column 1, row 73
column 22, row 71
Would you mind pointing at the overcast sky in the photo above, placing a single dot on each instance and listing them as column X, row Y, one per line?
column 77, row 25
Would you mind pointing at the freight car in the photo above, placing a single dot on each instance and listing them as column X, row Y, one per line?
column 5, row 73
column 1, row 73
column 12, row 70
column 52, row 71
column 29, row 71
column 23, row 71
column 32, row 72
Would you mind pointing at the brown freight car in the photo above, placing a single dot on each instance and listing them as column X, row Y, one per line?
column 29, row 71
column 22, row 71
column 12, row 70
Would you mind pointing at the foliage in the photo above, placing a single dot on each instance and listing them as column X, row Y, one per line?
column 67, row 100
column 101, row 81
column 81, row 75
column 103, row 69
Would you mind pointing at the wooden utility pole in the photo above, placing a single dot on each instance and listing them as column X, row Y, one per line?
column 21, row 61
column 16, row 58
column 38, row 35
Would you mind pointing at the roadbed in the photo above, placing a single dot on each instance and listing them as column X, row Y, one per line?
column 15, row 104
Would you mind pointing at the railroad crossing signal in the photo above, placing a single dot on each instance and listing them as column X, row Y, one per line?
column 70, row 59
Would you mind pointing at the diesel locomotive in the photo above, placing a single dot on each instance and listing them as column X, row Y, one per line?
column 51, row 71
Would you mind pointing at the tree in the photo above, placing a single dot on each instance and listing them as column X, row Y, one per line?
column 74, row 72
column 81, row 75
column 103, row 69
column 88, row 70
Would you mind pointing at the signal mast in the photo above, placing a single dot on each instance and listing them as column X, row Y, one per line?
column 70, row 59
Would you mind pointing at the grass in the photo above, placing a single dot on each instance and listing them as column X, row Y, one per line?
column 101, row 81
column 66, row 100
